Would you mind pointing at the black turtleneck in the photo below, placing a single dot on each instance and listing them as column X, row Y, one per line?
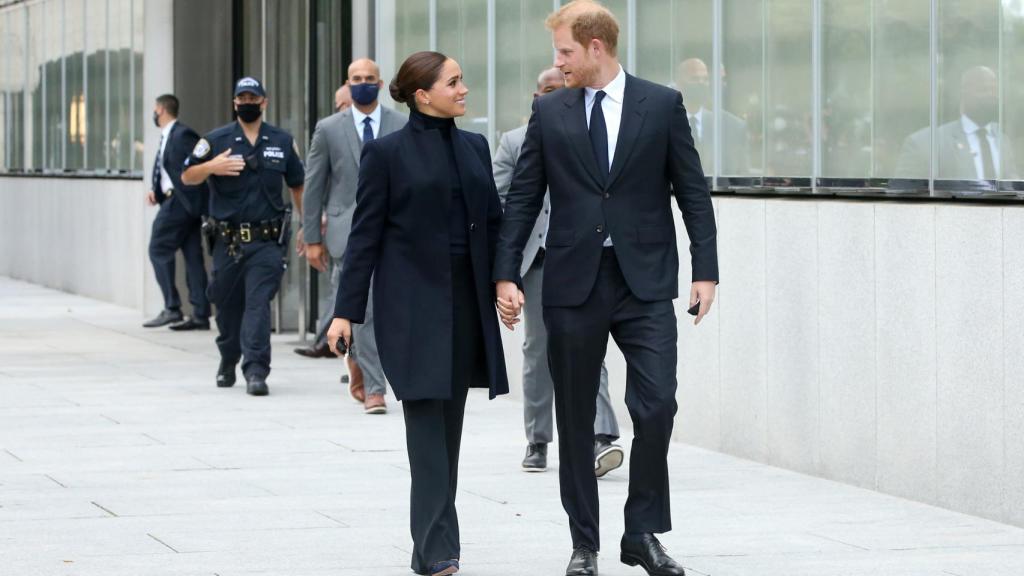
column 458, row 220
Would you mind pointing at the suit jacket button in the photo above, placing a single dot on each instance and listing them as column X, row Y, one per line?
column 600, row 229
column 472, row 227
column 607, row 195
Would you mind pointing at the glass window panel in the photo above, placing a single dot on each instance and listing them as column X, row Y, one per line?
column 36, row 58
column 4, row 88
column 743, row 82
column 462, row 35
column 404, row 29
column 331, row 66
column 14, row 86
column 676, row 49
column 96, row 84
column 788, row 89
column 523, row 51
column 902, row 78
column 50, row 67
column 119, row 49
column 139, row 112
column 1012, row 118
column 252, row 39
column 74, row 66
column 846, row 89
column 968, row 91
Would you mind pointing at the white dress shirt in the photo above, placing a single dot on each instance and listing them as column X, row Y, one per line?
column 971, row 129
column 165, row 178
column 374, row 117
column 611, row 106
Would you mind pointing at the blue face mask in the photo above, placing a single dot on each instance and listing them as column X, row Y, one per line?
column 364, row 94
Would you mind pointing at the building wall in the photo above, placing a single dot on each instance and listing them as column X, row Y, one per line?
column 876, row 344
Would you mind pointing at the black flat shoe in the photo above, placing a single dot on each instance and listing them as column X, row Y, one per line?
column 646, row 551
column 444, row 568
column 256, row 386
column 582, row 563
column 163, row 319
column 607, row 457
column 225, row 375
column 191, row 323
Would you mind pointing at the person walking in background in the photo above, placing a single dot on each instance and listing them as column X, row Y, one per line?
column 178, row 224
column 425, row 228
column 538, row 390
column 332, row 171
column 612, row 150
column 245, row 163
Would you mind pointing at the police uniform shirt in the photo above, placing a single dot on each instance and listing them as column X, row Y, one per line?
column 255, row 194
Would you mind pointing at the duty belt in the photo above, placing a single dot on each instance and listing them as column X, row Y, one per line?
column 247, row 232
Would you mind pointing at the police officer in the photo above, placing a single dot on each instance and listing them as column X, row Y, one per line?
column 245, row 163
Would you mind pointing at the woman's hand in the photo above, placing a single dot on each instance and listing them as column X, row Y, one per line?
column 509, row 302
column 340, row 328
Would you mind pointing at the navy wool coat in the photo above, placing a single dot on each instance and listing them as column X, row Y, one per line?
column 400, row 238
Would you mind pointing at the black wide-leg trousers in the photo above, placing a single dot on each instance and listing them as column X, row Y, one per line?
column 646, row 333
column 433, row 432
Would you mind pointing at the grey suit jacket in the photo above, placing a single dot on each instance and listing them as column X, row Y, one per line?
column 735, row 145
column 955, row 159
column 332, row 174
column 505, row 159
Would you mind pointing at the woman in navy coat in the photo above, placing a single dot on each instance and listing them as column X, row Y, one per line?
column 425, row 228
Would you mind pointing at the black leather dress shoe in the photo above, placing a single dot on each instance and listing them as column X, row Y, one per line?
column 536, row 459
column 191, row 323
column 645, row 551
column 316, row 351
column 256, row 386
column 164, row 318
column 225, row 375
column 582, row 563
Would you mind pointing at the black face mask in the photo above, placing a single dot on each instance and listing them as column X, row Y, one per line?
column 156, row 119
column 249, row 113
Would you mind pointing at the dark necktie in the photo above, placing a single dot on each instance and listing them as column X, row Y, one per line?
column 987, row 165
column 599, row 135
column 156, row 169
column 367, row 130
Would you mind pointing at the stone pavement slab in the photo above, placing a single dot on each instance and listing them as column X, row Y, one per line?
column 119, row 456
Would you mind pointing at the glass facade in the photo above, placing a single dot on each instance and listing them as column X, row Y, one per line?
column 71, row 87
column 835, row 97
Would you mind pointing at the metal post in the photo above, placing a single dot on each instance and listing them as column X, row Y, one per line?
column 933, row 121
column 716, row 90
column 817, row 98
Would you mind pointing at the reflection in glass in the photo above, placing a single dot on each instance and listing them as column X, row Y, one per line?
column 36, row 44
column 743, row 87
column 523, row 52
column 462, row 35
column 96, row 85
column 846, row 90
column 74, row 94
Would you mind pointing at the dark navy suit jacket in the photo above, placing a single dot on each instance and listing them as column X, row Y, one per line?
column 178, row 147
column 655, row 160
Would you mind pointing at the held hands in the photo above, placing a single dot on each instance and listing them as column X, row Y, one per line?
column 340, row 328
column 225, row 165
column 704, row 291
column 317, row 256
column 510, row 300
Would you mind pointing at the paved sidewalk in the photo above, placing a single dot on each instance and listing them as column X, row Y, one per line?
column 118, row 456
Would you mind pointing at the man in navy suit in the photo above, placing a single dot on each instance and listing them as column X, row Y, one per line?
column 613, row 150
column 178, row 225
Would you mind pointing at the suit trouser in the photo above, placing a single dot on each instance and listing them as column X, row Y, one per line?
column 646, row 333
column 364, row 352
column 433, row 432
column 242, row 291
column 538, row 389
column 175, row 229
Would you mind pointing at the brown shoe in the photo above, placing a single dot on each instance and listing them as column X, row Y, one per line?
column 355, row 381
column 375, row 404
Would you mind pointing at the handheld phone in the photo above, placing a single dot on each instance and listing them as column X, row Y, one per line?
column 694, row 310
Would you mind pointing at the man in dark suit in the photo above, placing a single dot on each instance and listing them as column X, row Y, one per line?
column 693, row 80
column 178, row 225
column 613, row 150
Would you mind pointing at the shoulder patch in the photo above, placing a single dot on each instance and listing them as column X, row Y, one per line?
column 202, row 148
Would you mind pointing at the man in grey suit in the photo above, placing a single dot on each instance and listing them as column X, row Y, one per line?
column 693, row 81
column 971, row 147
column 332, row 171
column 538, row 389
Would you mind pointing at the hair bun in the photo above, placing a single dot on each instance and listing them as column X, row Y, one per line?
column 396, row 92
